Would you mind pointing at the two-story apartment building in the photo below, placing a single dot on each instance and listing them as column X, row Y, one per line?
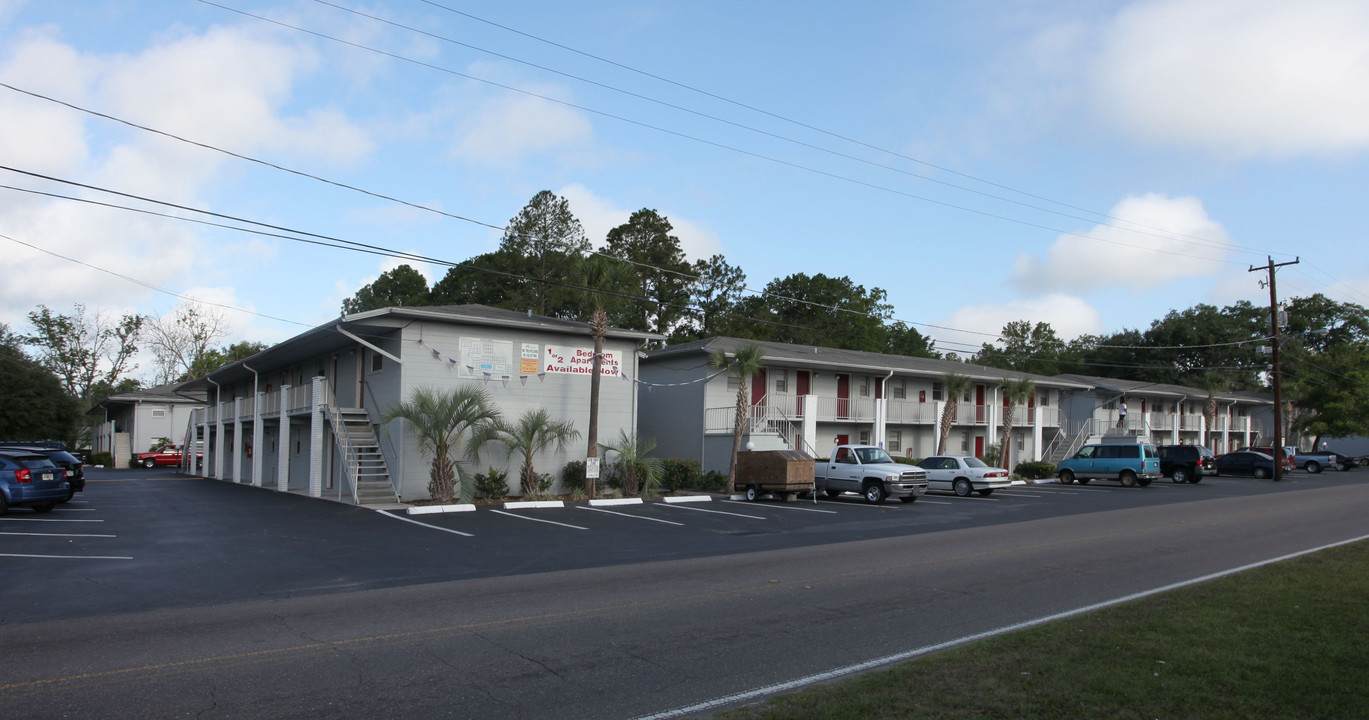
column 132, row 422
column 813, row 398
column 304, row 415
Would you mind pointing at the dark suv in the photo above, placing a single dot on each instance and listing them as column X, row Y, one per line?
column 1186, row 463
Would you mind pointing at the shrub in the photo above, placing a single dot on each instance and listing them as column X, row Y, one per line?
column 1034, row 470
column 102, row 458
column 905, row 460
column 492, row 485
column 714, row 481
column 677, row 474
column 573, row 476
column 992, row 454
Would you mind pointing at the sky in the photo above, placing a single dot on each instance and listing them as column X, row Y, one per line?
column 1091, row 164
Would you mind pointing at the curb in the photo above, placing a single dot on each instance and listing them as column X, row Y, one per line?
column 433, row 509
column 615, row 501
column 524, row 504
column 689, row 498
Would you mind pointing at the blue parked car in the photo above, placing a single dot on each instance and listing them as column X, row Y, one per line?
column 27, row 478
column 1132, row 464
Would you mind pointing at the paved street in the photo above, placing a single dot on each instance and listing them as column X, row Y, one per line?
column 163, row 596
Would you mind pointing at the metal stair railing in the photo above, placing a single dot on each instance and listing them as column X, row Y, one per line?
column 344, row 440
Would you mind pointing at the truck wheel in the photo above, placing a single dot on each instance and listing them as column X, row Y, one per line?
column 1066, row 477
column 1312, row 466
column 149, row 462
column 962, row 487
column 1128, row 478
column 874, row 493
column 1180, row 475
column 753, row 493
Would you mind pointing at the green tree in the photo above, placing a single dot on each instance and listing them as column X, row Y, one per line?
column 1017, row 391
column 1024, row 347
column 84, row 351
column 663, row 274
column 827, row 311
column 215, row 358
column 717, row 291
column 640, row 474
column 905, row 340
column 955, row 385
column 746, row 359
column 534, row 432
column 602, row 277
column 543, row 243
column 400, row 287
column 1323, row 361
column 35, row 406
column 481, row 280
column 181, row 339
column 441, row 421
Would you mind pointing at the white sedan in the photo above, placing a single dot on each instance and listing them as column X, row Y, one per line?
column 963, row 475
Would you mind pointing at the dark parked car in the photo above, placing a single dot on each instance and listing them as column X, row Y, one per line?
column 1288, row 454
column 1246, row 462
column 27, row 478
column 76, row 476
column 1186, row 463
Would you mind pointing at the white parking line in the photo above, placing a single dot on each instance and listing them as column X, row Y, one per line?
column 1014, row 494
column 717, row 512
column 30, row 519
column 64, row 508
column 56, row 534
column 549, row 522
column 786, row 507
column 629, row 515
column 861, row 503
column 426, row 525
column 69, row 557
column 925, row 501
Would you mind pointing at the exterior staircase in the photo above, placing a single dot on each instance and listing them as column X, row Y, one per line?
column 372, row 477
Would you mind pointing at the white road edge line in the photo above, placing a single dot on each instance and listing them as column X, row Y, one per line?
column 785, row 507
column 426, row 525
column 549, row 522
column 909, row 654
column 29, row 519
column 629, row 515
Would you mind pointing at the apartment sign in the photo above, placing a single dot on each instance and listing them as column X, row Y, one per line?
column 577, row 361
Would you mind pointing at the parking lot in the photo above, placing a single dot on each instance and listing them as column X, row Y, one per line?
column 148, row 539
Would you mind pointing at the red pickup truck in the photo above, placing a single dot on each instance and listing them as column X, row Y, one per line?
column 168, row 455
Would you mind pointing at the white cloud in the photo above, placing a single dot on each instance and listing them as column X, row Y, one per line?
column 1248, row 77
column 599, row 215
column 1154, row 240
column 1068, row 315
column 508, row 127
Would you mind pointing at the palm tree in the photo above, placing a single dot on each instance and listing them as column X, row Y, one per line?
column 632, row 460
column 1215, row 384
column 1016, row 390
column 602, row 276
column 956, row 385
column 534, row 432
column 441, row 420
column 746, row 360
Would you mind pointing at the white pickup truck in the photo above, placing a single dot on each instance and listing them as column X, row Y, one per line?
column 869, row 471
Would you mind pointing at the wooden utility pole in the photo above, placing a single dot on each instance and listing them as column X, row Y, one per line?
column 1278, row 373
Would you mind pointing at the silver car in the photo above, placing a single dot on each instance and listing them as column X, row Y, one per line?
column 964, row 474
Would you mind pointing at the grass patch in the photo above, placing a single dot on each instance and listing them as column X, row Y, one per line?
column 1282, row 641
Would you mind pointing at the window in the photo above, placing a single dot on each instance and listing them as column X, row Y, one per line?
column 377, row 361
column 159, row 413
column 899, row 389
column 864, row 437
column 1021, row 441
column 1045, row 399
column 964, row 442
column 781, row 381
column 895, row 441
column 734, row 382
column 864, row 387
column 967, row 396
column 936, row 391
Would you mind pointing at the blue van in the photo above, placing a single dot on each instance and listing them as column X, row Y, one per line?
column 1133, row 465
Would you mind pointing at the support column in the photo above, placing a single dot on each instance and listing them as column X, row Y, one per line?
column 881, row 423
column 237, row 440
column 219, row 442
column 316, row 440
column 257, row 432
column 810, row 424
column 1037, row 431
column 283, row 453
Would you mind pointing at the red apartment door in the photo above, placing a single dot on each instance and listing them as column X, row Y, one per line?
column 802, row 382
column 979, row 446
column 758, row 388
column 843, row 396
column 978, row 406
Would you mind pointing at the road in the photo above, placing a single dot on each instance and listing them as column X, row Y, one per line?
column 303, row 609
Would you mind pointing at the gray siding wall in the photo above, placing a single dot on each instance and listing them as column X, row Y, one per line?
column 564, row 396
column 674, row 414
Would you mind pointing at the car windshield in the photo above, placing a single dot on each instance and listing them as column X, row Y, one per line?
column 873, row 455
column 975, row 462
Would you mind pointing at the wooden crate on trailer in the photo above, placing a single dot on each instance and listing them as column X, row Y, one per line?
column 787, row 472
